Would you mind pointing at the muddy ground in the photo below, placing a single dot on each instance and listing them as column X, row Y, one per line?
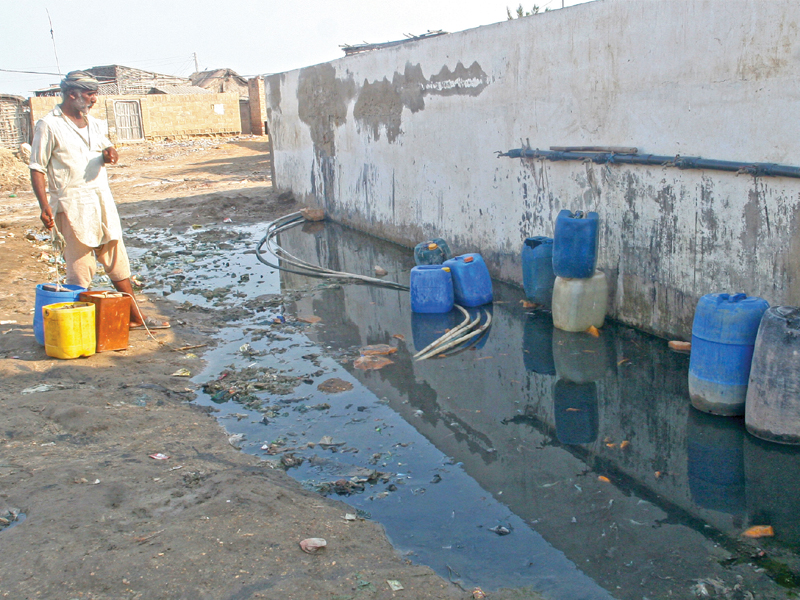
column 99, row 518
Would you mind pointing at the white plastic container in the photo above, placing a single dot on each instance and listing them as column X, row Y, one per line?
column 580, row 303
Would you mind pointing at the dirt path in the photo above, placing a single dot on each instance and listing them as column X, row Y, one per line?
column 102, row 519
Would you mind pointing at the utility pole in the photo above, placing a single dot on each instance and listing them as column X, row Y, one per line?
column 53, row 37
column 196, row 68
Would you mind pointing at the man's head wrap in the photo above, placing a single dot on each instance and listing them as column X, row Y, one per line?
column 79, row 80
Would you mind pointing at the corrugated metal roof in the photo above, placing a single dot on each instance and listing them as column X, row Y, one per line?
column 179, row 89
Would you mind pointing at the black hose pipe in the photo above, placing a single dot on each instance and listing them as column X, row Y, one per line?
column 680, row 162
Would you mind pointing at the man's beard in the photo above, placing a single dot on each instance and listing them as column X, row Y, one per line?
column 83, row 106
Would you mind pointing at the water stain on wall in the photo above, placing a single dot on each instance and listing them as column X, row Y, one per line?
column 322, row 104
column 380, row 104
column 274, row 82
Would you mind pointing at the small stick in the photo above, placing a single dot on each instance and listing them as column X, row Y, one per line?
column 182, row 348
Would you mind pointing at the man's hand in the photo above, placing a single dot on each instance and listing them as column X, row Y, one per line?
column 110, row 155
column 47, row 217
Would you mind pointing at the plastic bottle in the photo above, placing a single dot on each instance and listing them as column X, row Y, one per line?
column 44, row 296
column 431, row 289
column 580, row 303
column 537, row 270
column 575, row 244
column 472, row 284
column 723, row 336
column 432, row 252
column 772, row 410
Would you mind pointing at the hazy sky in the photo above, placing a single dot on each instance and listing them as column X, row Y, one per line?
column 249, row 36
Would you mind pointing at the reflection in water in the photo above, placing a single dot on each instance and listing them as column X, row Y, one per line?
column 537, row 343
column 576, row 410
column 716, row 462
column 586, row 448
column 618, row 406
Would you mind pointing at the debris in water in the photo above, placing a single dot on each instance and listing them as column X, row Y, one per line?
column 758, row 531
column 310, row 319
column 335, row 385
column 289, row 460
column 236, row 440
column 313, row 545
column 377, row 349
column 159, row 456
column 326, row 442
column 395, row 585
column 500, row 530
column 182, row 373
column 677, row 346
column 436, row 478
column 380, row 272
column 371, row 362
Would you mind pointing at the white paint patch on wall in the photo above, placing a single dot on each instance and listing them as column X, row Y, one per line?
column 400, row 142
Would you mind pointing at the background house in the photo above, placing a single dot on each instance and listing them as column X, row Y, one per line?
column 227, row 80
column 14, row 121
column 141, row 105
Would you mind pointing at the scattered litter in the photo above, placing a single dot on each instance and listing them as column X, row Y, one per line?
column 313, row 545
column 350, row 517
column 395, row 585
column 758, row 531
column 236, row 440
column 624, row 444
column 380, row 272
column 677, row 346
column 326, row 442
column 527, row 304
column 418, row 413
column 478, row 594
column 227, row 220
column 377, row 349
column 436, row 478
column 184, row 372
column 44, row 387
column 159, row 456
column 371, row 362
column 7, row 322
column 592, row 331
column 309, row 319
column 500, row 530
column 176, row 468
column 11, row 517
column 334, row 385
column 289, row 460
column 604, row 479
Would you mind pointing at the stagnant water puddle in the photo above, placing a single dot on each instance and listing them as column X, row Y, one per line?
column 562, row 463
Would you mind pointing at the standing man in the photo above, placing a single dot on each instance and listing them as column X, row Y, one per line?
column 71, row 148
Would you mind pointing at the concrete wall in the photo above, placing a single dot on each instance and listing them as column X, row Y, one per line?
column 166, row 115
column 400, row 142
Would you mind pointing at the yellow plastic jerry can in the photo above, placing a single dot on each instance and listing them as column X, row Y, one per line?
column 69, row 329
